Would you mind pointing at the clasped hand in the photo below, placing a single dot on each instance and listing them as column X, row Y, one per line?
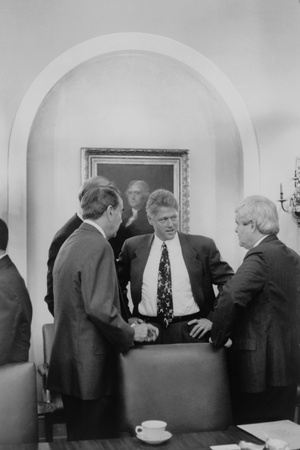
column 145, row 332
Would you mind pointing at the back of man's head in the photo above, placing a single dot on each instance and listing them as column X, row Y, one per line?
column 260, row 210
column 96, row 201
column 3, row 235
column 92, row 183
column 161, row 198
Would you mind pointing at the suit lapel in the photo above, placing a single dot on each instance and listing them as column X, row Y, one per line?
column 139, row 264
column 194, row 267
column 190, row 258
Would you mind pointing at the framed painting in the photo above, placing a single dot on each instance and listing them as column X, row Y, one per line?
column 159, row 168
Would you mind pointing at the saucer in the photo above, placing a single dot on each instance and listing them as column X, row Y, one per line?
column 166, row 436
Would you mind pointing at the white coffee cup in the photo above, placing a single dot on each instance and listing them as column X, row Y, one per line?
column 277, row 444
column 151, row 429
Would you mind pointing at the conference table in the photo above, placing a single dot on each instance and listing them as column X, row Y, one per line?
column 181, row 441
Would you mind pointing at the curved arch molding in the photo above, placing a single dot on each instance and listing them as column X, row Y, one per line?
column 17, row 178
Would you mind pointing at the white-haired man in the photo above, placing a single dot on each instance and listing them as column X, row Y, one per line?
column 259, row 310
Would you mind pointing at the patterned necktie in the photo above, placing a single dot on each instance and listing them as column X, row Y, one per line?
column 165, row 312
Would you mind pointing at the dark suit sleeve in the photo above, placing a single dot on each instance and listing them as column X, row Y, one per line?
column 123, row 270
column 235, row 297
column 52, row 254
column 220, row 270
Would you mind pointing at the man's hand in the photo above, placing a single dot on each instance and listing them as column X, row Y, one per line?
column 153, row 333
column 135, row 320
column 202, row 326
column 145, row 332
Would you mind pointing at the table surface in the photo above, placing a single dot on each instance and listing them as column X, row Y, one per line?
column 182, row 441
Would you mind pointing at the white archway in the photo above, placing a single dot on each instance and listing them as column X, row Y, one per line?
column 17, row 173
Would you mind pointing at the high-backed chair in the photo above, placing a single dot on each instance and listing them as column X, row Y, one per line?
column 297, row 409
column 185, row 385
column 55, row 413
column 18, row 404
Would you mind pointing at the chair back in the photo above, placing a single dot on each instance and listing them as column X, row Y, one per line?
column 53, row 399
column 185, row 385
column 18, row 404
column 48, row 333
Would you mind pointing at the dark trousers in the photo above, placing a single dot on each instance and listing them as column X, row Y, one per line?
column 275, row 403
column 90, row 419
column 176, row 333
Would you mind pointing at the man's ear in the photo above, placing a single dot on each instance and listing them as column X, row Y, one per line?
column 150, row 220
column 109, row 212
column 253, row 225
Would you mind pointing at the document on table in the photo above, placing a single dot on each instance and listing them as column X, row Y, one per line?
column 286, row 430
column 225, row 447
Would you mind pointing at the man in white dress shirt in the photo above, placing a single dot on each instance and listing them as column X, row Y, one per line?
column 193, row 263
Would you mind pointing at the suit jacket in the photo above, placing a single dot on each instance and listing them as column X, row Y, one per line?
column 259, row 309
column 15, row 314
column 88, row 328
column 202, row 259
column 60, row 237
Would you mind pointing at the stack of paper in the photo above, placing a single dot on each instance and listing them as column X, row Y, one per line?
column 282, row 429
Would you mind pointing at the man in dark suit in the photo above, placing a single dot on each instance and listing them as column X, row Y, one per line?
column 64, row 232
column 15, row 308
column 88, row 328
column 135, row 221
column 195, row 266
column 259, row 310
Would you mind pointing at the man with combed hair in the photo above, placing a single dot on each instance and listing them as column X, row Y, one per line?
column 15, row 308
column 195, row 266
column 88, row 328
column 259, row 310
column 64, row 232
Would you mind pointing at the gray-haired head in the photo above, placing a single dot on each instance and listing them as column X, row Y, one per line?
column 262, row 211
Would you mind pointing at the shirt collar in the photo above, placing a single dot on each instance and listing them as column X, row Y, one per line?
column 2, row 256
column 170, row 242
column 260, row 240
column 94, row 224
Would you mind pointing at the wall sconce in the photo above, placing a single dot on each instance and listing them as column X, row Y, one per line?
column 292, row 203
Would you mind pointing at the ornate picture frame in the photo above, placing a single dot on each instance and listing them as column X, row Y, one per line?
column 160, row 168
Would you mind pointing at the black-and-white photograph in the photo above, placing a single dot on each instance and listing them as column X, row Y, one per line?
column 149, row 224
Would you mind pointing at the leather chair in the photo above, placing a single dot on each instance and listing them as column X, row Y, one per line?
column 18, row 404
column 54, row 413
column 297, row 409
column 185, row 385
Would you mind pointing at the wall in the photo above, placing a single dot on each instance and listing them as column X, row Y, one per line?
column 254, row 44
